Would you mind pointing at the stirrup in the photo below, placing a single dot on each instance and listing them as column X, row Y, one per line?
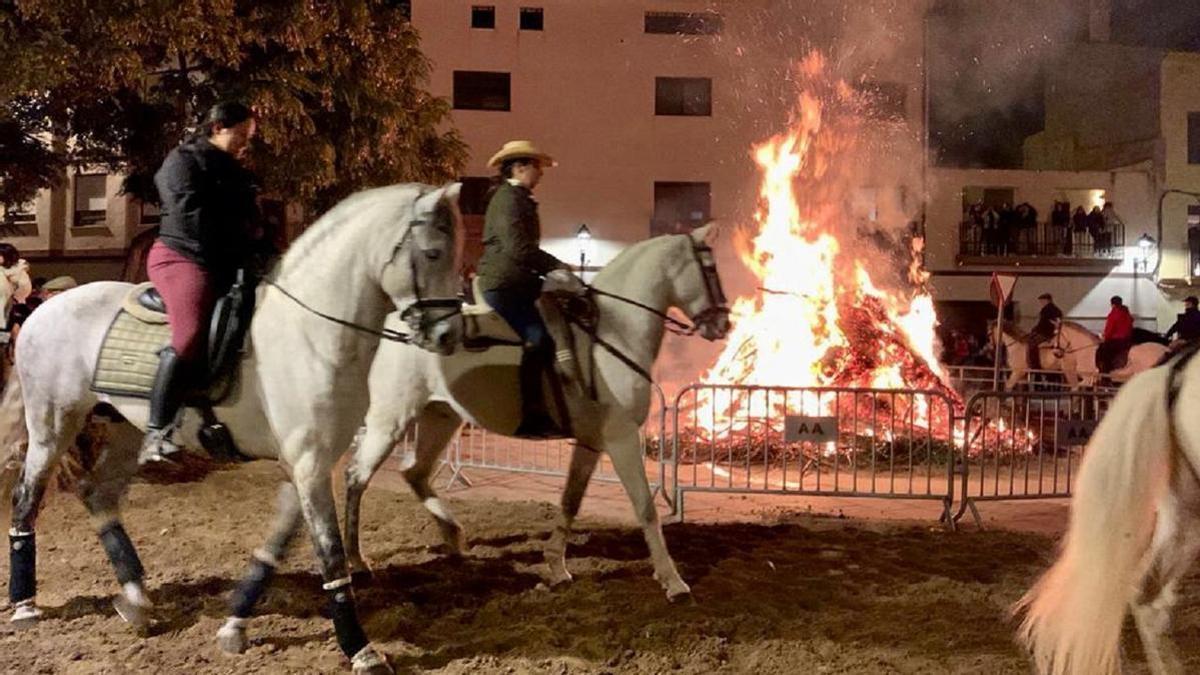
column 158, row 445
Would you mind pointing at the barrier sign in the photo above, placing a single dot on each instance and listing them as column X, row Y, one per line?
column 1074, row 432
column 798, row 429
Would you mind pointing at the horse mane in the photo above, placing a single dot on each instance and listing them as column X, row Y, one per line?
column 621, row 265
column 352, row 209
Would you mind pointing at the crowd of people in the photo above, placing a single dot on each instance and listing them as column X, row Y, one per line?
column 1014, row 230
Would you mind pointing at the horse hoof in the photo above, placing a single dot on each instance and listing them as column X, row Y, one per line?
column 232, row 639
column 25, row 615
column 368, row 662
column 679, row 595
column 134, row 615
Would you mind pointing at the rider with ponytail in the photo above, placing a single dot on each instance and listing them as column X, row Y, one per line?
column 210, row 229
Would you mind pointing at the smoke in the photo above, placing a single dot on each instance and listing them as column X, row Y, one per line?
column 987, row 62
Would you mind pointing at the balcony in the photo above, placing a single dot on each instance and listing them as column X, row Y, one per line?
column 1045, row 243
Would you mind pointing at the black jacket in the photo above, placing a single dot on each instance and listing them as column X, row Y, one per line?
column 1188, row 325
column 1046, row 318
column 209, row 212
column 511, row 258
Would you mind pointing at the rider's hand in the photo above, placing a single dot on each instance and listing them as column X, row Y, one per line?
column 563, row 281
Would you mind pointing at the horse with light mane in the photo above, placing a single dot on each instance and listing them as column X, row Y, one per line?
column 1072, row 350
column 1133, row 535
column 633, row 293
column 300, row 397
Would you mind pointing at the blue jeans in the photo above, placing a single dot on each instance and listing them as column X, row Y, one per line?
column 522, row 314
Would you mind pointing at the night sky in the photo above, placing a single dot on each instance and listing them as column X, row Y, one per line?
column 988, row 57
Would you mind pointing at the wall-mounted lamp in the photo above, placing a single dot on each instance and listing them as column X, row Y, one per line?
column 1146, row 249
column 583, row 237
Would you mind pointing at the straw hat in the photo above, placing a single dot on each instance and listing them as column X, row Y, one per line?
column 63, row 283
column 518, row 150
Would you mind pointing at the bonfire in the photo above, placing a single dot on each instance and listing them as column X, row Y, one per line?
column 816, row 317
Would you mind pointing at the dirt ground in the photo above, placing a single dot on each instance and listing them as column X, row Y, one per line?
column 779, row 593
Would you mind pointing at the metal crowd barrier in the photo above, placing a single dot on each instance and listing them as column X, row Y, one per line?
column 968, row 380
column 1024, row 445
column 884, row 443
column 474, row 448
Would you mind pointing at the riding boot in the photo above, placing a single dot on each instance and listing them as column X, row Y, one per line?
column 1034, row 355
column 535, row 418
column 165, row 400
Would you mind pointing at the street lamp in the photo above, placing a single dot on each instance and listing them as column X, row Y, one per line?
column 583, row 237
column 1146, row 245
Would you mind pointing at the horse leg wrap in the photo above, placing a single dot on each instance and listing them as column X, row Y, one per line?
column 121, row 554
column 22, row 566
column 250, row 590
column 350, row 635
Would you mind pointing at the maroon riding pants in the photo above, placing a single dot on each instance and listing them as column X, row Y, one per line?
column 189, row 294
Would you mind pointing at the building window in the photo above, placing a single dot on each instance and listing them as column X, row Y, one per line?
column 472, row 199
column 1193, row 139
column 478, row 90
column 91, row 202
column 683, row 96
column 680, row 207
column 483, row 16
column 19, row 221
column 684, row 23
column 531, row 18
column 149, row 214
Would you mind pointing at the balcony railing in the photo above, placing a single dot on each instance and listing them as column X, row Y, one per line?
column 1044, row 240
column 90, row 218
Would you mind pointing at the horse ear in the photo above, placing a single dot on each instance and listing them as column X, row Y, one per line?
column 705, row 234
column 450, row 193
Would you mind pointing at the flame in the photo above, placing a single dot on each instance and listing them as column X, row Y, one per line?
column 817, row 317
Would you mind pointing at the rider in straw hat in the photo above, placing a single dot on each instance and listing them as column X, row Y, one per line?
column 512, row 267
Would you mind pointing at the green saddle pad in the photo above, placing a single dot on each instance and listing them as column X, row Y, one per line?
column 129, row 356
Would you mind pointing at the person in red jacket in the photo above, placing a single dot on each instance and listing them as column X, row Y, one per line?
column 1117, row 338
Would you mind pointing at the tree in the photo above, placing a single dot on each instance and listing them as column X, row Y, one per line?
column 338, row 84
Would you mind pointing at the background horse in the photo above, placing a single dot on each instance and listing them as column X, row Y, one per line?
column 1072, row 351
column 301, row 390
column 1134, row 532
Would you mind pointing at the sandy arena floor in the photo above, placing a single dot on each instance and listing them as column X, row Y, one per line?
column 774, row 592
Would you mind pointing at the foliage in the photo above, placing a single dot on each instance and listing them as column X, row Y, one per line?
column 338, row 84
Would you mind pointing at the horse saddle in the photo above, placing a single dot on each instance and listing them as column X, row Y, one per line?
column 129, row 353
column 491, row 358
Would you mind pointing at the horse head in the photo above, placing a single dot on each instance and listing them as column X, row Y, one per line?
column 421, row 275
column 696, row 287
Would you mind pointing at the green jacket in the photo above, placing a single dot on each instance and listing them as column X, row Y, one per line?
column 512, row 261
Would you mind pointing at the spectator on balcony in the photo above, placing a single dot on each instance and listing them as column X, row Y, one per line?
column 974, row 220
column 1112, row 225
column 1027, row 222
column 1117, row 339
column 1049, row 317
column 1008, row 230
column 1187, row 325
column 1095, row 227
column 1060, row 225
column 991, row 232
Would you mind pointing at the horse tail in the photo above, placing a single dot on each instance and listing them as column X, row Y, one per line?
column 14, row 435
column 1074, row 613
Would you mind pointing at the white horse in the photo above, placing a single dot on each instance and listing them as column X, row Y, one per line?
column 1134, row 532
column 1072, row 350
column 300, row 398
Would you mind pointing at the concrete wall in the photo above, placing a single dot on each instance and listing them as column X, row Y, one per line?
column 1180, row 85
column 583, row 90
